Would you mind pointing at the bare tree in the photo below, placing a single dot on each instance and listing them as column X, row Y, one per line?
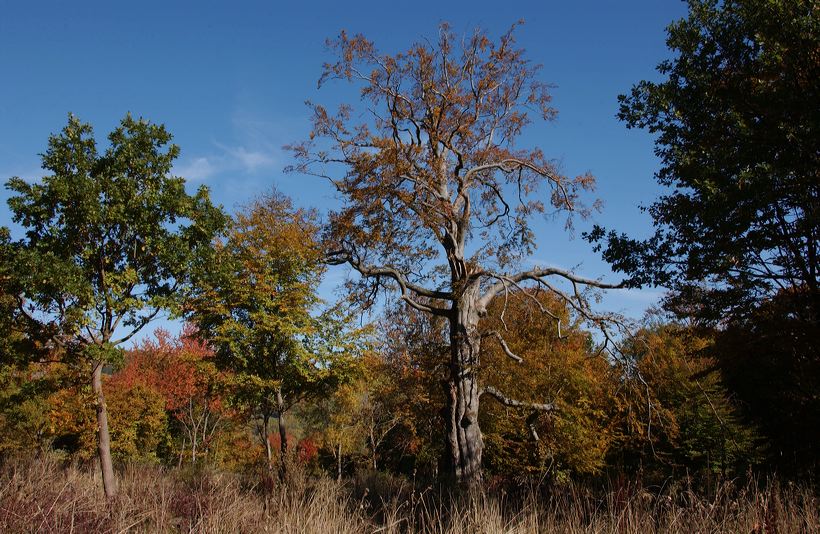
column 437, row 198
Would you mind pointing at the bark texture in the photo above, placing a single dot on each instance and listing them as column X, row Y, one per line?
column 103, row 436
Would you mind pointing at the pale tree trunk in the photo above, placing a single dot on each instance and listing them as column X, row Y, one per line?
column 103, row 436
column 283, row 434
column 464, row 440
column 372, row 446
column 182, row 452
column 266, row 439
column 339, row 463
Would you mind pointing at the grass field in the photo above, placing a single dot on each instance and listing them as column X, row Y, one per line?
column 41, row 495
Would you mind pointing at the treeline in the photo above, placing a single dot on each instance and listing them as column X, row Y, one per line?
column 475, row 368
column 168, row 402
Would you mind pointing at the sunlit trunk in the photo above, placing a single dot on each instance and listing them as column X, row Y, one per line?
column 283, row 435
column 339, row 463
column 372, row 449
column 464, row 440
column 103, row 436
column 266, row 440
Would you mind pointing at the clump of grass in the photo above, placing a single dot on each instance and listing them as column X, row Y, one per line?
column 41, row 495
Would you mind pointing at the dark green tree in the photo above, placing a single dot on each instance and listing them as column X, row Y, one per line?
column 110, row 236
column 8, row 303
column 737, row 127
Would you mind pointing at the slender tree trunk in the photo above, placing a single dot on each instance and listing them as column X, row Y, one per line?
column 283, row 434
column 194, row 430
column 464, row 439
column 103, row 436
column 266, row 439
column 339, row 463
column 181, row 452
column 372, row 448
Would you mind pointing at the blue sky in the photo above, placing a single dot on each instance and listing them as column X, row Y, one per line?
column 229, row 80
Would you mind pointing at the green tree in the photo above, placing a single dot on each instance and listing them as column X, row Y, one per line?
column 738, row 130
column 334, row 419
column 253, row 302
column 109, row 240
column 24, row 408
column 20, row 341
column 139, row 422
column 770, row 363
column 738, row 233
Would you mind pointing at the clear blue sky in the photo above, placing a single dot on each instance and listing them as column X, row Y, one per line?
column 229, row 80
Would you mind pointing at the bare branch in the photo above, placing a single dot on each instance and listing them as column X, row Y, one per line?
column 504, row 346
column 538, row 274
column 514, row 403
column 341, row 257
column 513, row 164
column 142, row 323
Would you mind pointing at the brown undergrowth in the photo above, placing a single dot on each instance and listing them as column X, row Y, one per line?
column 42, row 495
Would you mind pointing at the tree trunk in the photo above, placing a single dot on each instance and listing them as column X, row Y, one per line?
column 372, row 449
column 283, row 435
column 181, row 453
column 339, row 463
column 266, row 439
column 464, row 440
column 103, row 436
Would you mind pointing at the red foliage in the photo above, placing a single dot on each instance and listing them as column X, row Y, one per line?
column 276, row 441
column 178, row 368
column 307, row 450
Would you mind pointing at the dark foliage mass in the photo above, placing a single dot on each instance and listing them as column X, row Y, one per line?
column 738, row 234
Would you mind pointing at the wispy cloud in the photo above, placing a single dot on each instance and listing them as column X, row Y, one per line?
column 196, row 170
column 247, row 160
column 254, row 147
column 234, row 159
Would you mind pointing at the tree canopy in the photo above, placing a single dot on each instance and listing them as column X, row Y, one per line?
column 110, row 239
column 254, row 301
column 437, row 196
column 737, row 126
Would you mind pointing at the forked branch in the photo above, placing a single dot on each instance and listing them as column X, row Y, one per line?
column 405, row 286
column 537, row 408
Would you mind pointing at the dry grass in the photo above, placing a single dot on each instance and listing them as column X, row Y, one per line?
column 43, row 496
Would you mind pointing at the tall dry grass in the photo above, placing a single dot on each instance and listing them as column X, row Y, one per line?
column 43, row 496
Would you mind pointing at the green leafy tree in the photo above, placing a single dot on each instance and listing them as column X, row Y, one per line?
column 253, row 302
column 20, row 341
column 771, row 365
column 139, row 422
column 110, row 236
column 738, row 130
column 8, row 302
column 334, row 420
column 25, row 424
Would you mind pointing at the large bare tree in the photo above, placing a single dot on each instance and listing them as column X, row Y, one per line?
column 437, row 199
